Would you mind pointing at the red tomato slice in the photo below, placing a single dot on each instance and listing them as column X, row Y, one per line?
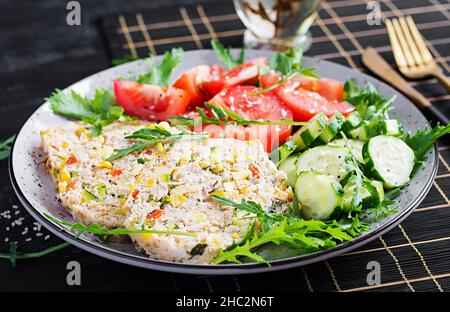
column 150, row 102
column 265, row 106
column 191, row 80
column 328, row 88
column 304, row 104
column 244, row 74
column 269, row 80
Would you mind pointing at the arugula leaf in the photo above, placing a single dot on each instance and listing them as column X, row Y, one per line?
column 151, row 137
column 13, row 254
column 160, row 74
column 101, row 111
column 303, row 235
column 101, row 231
column 423, row 140
column 5, row 147
column 223, row 116
column 224, row 54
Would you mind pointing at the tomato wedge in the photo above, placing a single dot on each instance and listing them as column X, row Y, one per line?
column 150, row 102
column 244, row 74
column 191, row 80
column 304, row 104
column 264, row 106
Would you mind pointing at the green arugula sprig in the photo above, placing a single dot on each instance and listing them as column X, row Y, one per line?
column 289, row 65
column 103, row 233
column 14, row 254
column 302, row 235
column 5, row 147
column 422, row 141
column 160, row 74
column 151, row 137
column 224, row 54
column 223, row 116
column 99, row 112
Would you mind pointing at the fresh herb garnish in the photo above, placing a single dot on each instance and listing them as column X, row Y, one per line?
column 223, row 116
column 368, row 101
column 124, row 59
column 151, row 137
column 289, row 65
column 224, row 54
column 99, row 112
column 14, row 255
column 422, row 141
column 160, row 74
column 103, row 232
column 302, row 235
column 5, row 147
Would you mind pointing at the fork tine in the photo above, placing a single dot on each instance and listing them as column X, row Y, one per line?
column 403, row 44
column 422, row 47
column 398, row 53
column 410, row 41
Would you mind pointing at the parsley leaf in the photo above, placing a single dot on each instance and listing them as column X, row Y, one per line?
column 289, row 65
column 160, row 74
column 124, row 59
column 224, row 54
column 5, row 147
column 101, row 111
column 423, row 140
column 368, row 101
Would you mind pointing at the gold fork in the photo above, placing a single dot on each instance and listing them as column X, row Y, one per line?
column 413, row 58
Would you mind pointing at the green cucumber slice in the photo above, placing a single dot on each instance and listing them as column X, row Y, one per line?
column 389, row 159
column 319, row 196
column 327, row 160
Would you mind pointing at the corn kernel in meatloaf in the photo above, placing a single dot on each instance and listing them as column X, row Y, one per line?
column 92, row 189
column 173, row 193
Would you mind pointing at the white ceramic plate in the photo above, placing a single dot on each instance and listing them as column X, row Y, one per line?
column 36, row 191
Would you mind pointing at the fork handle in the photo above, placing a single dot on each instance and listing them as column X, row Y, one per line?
column 444, row 80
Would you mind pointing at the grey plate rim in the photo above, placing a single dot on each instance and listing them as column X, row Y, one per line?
column 226, row 269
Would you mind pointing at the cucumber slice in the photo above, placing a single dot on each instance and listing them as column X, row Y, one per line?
column 356, row 146
column 301, row 139
column 393, row 127
column 389, row 159
column 319, row 196
column 282, row 152
column 327, row 160
column 371, row 195
column 307, row 134
column 330, row 131
column 369, row 130
column 288, row 167
column 353, row 120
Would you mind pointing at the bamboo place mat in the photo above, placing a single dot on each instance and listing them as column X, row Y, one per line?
column 414, row 256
